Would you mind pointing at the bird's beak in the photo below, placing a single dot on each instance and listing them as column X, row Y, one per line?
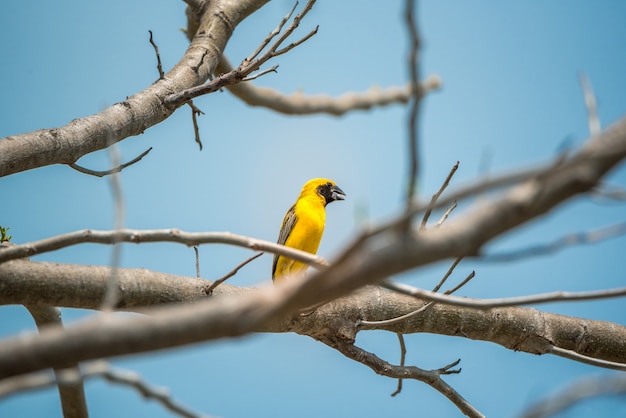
column 337, row 193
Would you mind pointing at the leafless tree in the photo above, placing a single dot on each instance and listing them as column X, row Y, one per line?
column 351, row 294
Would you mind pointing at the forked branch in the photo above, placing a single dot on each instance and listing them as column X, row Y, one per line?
column 251, row 63
column 430, row 377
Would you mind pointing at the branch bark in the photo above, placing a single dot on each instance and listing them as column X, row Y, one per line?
column 234, row 310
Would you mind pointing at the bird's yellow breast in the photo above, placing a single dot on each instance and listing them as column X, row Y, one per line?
column 309, row 228
column 306, row 233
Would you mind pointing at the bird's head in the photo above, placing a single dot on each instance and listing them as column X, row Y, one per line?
column 325, row 188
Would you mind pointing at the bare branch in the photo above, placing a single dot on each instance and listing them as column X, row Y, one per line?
column 297, row 43
column 156, row 235
column 447, row 213
column 69, row 377
column 273, row 50
column 448, row 273
column 435, row 197
column 301, row 104
column 195, row 112
column 414, row 104
column 542, row 191
column 572, row 355
column 158, row 57
column 402, row 360
column 588, row 237
column 260, row 73
column 592, row 108
column 111, row 171
column 578, row 392
column 430, row 377
column 161, row 395
column 501, row 302
column 373, row 324
column 195, row 249
column 246, row 67
column 72, row 394
column 209, row 289
column 272, row 34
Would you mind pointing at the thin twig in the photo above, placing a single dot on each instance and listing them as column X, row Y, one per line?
column 460, row 285
column 501, row 302
column 411, row 25
column 428, row 305
column 157, row 235
column 402, row 360
column 272, row 34
column 296, row 43
column 273, row 50
column 588, row 237
column 260, row 73
column 592, row 108
column 448, row 273
column 111, row 171
column 546, row 170
column 446, row 214
column 572, row 355
column 248, row 65
column 430, row 377
column 111, row 294
column 158, row 56
column 209, row 289
column 195, row 249
column 435, row 197
column 195, row 112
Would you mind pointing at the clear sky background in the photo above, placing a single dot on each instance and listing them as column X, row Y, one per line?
column 511, row 97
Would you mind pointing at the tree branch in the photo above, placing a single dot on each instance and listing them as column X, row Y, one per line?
column 430, row 377
column 249, row 64
column 72, row 394
column 414, row 103
column 301, row 104
column 577, row 392
column 501, row 302
column 156, row 235
column 111, row 171
column 234, row 310
column 587, row 237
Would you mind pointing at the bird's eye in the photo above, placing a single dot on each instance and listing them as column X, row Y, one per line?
column 329, row 184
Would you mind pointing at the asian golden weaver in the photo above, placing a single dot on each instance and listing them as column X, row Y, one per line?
column 303, row 225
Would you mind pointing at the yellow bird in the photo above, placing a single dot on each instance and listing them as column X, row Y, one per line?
column 303, row 225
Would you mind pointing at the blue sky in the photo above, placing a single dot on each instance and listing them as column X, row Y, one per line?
column 511, row 97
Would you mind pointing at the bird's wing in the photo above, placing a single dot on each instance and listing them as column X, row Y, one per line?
column 285, row 230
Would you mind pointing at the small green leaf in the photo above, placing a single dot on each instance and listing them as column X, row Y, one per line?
column 3, row 234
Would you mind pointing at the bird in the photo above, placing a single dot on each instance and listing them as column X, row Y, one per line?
column 303, row 225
